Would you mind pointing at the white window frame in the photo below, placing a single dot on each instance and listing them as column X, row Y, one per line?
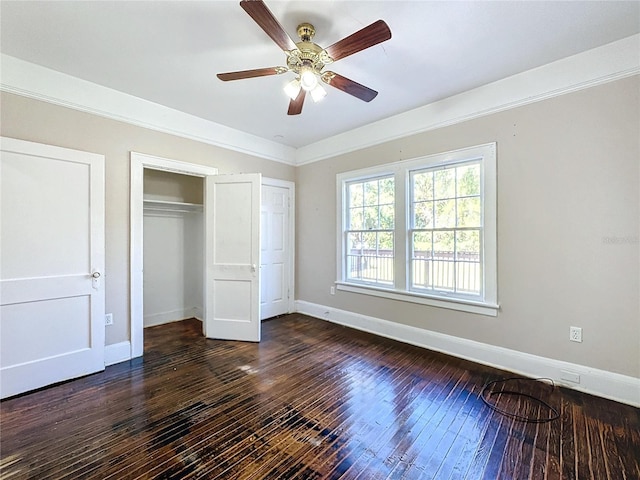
column 488, row 303
column 378, row 230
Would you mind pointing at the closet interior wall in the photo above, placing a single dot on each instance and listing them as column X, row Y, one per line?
column 173, row 247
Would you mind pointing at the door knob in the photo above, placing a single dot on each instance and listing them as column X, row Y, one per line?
column 95, row 280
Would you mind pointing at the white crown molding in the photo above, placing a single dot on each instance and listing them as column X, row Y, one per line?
column 587, row 69
column 34, row 81
column 621, row 388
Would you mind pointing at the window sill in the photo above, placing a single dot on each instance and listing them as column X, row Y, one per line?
column 469, row 306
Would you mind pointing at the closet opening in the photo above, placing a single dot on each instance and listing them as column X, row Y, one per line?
column 196, row 248
column 173, row 244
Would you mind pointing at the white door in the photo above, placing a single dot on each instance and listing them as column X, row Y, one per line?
column 275, row 268
column 232, row 257
column 52, row 247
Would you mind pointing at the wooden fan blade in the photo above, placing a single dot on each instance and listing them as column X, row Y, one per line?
column 263, row 17
column 369, row 36
column 258, row 72
column 295, row 106
column 349, row 86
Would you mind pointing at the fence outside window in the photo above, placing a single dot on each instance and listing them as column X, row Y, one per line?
column 442, row 271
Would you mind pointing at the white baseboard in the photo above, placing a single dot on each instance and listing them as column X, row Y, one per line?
column 621, row 388
column 172, row 316
column 116, row 353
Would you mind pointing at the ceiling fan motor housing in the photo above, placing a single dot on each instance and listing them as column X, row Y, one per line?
column 307, row 55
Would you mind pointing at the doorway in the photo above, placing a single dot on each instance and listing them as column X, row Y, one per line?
column 245, row 280
column 173, row 243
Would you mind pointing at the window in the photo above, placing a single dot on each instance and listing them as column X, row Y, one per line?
column 446, row 228
column 370, row 231
column 422, row 230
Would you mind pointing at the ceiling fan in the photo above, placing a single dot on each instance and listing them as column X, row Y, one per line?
column 307, row 59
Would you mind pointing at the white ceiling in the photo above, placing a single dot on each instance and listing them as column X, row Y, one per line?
column 169, row 52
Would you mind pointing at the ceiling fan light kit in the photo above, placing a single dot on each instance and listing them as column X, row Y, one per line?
column 307, row 59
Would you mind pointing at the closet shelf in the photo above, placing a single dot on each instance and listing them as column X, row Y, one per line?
column 165, row 206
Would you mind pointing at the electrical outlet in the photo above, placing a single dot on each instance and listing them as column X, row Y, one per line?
column 332, row 290
column 575, row 334
column 108, row 319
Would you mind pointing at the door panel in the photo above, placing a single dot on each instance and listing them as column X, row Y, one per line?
column 274, row 254
column 232, row 256
column 58, row 334
column 52, row 234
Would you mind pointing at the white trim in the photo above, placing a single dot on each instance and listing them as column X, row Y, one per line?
column 161, row 318
column 479, row 308
column 291, row 186
column 621, row 388
column 40, row 83
column 140, row 161
column 116, row 353
column 594, row 67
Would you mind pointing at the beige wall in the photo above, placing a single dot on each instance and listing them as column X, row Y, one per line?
column 568, row 217
column 568, row 228
column 36, row 121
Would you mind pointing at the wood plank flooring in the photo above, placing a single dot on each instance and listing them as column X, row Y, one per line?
column 313, row 400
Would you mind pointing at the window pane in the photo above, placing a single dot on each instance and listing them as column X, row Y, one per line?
column 468, row 262
column 468, row 245
column 369, row 243
column 443, row 245
column 354, row 243
column 355, row 219
column 386, row 217
column 421, row 259
column 355, row 195
column 445, row 214
column 468, row 180
column 385, row 258
column 444, row 183
column 469, row 212
column 423, row 215
column 370, row 218
column 385, row 243
column 371, row 192
column 386, row 191
column 422, row 186
column 370, row 257
column 442, row 275
column 422, row 244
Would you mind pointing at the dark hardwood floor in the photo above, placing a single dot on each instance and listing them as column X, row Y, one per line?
column 313, row 400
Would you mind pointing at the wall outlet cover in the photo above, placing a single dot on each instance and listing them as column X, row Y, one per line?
column 575, row 334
